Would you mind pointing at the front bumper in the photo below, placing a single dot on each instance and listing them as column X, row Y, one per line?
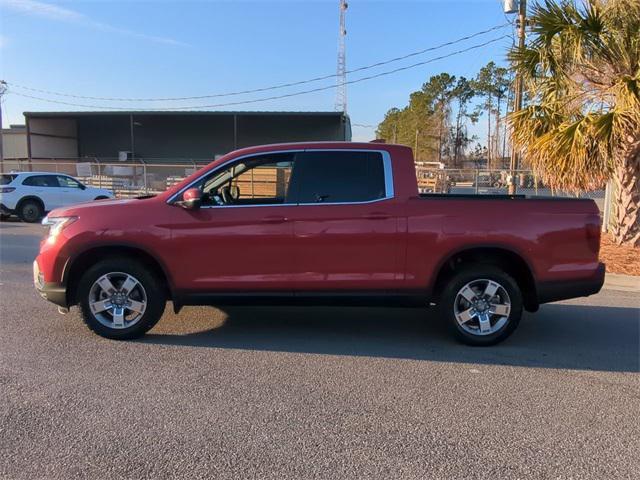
column 563, row 290
column 54, row 292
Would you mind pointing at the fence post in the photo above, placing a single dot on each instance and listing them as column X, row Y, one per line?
column 476, row 173
column 144, row 174
column 606, row 208
column 99, row 174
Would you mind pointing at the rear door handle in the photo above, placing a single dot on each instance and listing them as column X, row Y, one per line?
column 376, row 216
column 274, row 219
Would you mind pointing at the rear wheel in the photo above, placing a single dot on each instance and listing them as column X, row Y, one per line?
column 30, row 211
column 120, row 299
column 101, row 197
column 482, row 304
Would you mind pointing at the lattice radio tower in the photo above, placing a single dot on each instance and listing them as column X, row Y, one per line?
column 341, row 78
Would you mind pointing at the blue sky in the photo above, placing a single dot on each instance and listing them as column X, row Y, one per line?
column 187, row 48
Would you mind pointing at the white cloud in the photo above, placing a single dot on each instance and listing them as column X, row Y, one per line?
column 61, row 14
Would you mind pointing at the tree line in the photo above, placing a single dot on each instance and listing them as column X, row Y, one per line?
column 580, row 125
column 436, row 119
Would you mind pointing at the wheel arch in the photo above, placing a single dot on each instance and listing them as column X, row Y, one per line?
column 30, row 197
column 79, row 263
column 503, row 257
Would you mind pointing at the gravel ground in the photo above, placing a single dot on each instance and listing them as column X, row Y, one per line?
column 314, row 393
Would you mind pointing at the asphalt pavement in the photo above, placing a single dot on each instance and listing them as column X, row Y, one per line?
column 314, row 392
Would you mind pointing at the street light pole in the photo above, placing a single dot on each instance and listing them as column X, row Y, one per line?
column 519, row 90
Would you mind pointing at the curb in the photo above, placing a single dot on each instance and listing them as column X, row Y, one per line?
column 625, row 283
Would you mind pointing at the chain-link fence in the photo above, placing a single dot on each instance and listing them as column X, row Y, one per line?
column 493, row 182
column 125, row 179
column 149, row 176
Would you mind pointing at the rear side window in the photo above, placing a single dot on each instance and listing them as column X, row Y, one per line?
column 41, row 181
column 339, row 177
column 6, row 179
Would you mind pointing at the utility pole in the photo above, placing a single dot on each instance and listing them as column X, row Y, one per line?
column 341, row 76
column 519, row 84
column 3, row 89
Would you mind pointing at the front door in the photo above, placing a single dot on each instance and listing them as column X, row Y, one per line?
column 345, row 226
column 71, row 191
column 241, row 238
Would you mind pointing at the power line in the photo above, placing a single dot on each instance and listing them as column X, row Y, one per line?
column 277, row 97
column 264, row 89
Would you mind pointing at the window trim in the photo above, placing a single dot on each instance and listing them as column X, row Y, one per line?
column 386, row 164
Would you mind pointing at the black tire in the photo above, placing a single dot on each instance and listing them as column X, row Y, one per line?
column 155, row 297
column 4, row 217
column 101, row 197
column 30, row 211
column 475, row 275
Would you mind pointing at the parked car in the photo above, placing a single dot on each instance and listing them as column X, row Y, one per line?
column 327, row 223
column 30, row 194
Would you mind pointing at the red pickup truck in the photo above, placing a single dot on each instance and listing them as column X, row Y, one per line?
column 319, row 223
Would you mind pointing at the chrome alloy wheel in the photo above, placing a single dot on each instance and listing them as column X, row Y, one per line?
column 482, row 307
column 117, row 300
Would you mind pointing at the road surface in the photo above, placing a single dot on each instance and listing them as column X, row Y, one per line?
column 313, row 392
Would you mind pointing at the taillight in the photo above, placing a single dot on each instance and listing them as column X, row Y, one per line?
column 592, row 230
column 6, row 189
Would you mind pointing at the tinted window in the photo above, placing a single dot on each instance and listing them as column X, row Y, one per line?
column 68, row 182
column 6, row 179
column 332, row 177
column 41, row 181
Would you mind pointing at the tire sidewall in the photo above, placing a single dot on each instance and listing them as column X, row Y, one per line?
column 470, row 274
column 156, row 298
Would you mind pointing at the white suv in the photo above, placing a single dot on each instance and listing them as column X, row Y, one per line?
column 30, row 194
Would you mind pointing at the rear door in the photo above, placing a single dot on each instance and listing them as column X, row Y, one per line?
column 45, row 187
column 345, row 226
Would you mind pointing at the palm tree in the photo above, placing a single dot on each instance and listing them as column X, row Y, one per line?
column 581, row 125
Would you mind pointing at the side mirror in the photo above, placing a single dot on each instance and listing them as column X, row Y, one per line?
column 191, row 199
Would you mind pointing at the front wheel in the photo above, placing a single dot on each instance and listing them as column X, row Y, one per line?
column 482, row 305
column 120, row 299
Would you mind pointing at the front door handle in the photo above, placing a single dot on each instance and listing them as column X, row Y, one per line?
column 376, row 216
column 274, row 219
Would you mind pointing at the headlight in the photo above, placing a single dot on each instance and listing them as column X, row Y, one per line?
column 56, row 225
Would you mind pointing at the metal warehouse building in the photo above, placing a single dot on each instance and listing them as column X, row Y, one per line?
column 165, row 137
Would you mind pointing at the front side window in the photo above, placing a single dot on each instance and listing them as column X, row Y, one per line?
column 258, row 180
column 339, row 177
column 68, row 182
column 41, row 181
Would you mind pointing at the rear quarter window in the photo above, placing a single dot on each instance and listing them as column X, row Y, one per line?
column 6, row 179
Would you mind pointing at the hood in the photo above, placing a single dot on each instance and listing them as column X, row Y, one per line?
column 91, row 207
